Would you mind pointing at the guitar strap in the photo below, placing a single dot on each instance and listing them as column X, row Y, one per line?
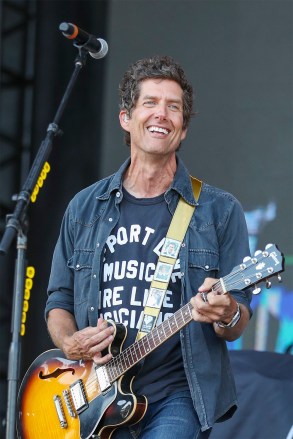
column 167, row 260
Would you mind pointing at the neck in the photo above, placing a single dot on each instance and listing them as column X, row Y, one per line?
column 147, row 180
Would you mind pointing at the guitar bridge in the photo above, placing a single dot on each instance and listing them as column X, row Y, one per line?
column 60, row 411
column 68, row 402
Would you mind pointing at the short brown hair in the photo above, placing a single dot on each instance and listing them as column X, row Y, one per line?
column 157, row 67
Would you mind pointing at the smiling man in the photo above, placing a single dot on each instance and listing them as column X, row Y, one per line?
column 106, row 259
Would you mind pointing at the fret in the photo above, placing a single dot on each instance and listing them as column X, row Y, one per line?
column 157, row 332
column 178, row 316
column 126, row 360
column 173, row 323
column 138, row 352
column 186, row 313
column 115, row 368
column 139, row 346
column 151, row 341
column 161, row 334
column 118, row 368
column 133, row 354
column 153, row 336
column 162, row 325
column 168, row 329
column 144, row 340
column 111, row 370
column 127, row 357
column 142, row 347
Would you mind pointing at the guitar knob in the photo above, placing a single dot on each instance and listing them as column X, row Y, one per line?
column 268, row 284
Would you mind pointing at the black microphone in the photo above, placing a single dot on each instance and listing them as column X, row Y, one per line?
column 97, row 47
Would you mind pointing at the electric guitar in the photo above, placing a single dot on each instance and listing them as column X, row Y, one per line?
column 65, row 399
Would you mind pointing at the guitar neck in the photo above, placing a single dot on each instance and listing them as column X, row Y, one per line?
column 143, row 347
column 252, row 271
column 128, row 358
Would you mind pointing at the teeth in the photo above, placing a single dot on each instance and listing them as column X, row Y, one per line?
column 158, row 130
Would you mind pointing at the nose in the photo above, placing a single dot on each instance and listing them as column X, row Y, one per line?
column 161, row 111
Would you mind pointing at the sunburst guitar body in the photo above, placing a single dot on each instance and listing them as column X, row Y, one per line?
column 65, row 399
column 62, row 399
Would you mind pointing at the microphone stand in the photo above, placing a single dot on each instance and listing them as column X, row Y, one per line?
column 17, row 225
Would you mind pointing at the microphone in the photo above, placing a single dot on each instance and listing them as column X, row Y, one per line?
column 97, row 47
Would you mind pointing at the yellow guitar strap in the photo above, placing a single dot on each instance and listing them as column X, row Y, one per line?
column 167, row 260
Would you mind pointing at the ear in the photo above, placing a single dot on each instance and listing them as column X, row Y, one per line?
column 183, row 134
column 124, row 120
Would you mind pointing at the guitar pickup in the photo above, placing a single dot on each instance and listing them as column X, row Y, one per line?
column 78, row 396
column 103, row 379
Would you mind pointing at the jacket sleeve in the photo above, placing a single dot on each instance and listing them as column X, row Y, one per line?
column 234, row 246
column 61, row 283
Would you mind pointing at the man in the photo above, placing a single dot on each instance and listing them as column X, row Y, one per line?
column 106, row 255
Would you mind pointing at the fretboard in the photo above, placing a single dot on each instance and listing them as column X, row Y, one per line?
column 141, row 348
column 252, row 271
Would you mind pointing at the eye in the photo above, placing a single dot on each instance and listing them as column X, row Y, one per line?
column 149, row 103
column 174, row 107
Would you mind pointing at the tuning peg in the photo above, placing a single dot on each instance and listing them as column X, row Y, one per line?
column 279, row 278
column 256, row 291
column 269, row 246
column 258, row 252
column 268, row 284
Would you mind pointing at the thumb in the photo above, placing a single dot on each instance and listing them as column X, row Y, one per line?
column 207, row 285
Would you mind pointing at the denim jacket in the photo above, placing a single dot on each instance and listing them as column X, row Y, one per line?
column 216, row 241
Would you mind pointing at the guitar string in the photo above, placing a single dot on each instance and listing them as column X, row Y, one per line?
column 119, row 362
column 247, row 267
column 118, row 365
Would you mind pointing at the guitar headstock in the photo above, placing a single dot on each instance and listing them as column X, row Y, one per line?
column 263, row 265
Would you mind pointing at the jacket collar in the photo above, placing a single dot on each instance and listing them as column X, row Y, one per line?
column 180, row 184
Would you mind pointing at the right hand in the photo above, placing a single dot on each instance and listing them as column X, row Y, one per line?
column 88, row 343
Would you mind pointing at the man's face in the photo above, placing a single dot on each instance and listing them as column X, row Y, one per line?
column 156, row 122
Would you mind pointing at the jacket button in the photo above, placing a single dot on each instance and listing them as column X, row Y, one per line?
column 118, row 194
column 94, row 276
column 92, row 308
column 207, row 267
column 110, row 219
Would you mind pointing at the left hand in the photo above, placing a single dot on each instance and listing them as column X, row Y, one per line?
column 219, row 307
